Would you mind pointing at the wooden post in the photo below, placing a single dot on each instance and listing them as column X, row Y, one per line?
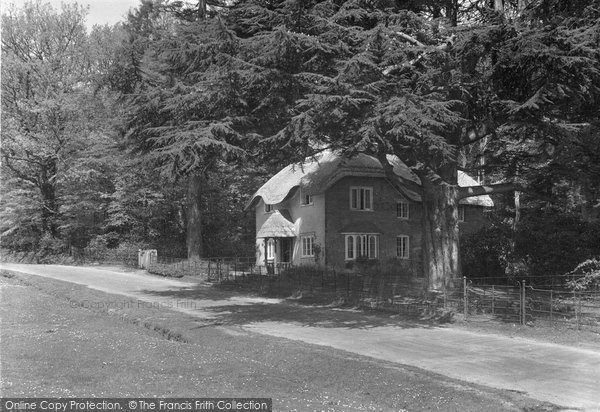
column 523, row 310
column 578, row 310
column 465, row 298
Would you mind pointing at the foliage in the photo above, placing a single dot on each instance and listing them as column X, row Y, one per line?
column 104, row 248
column 547, row 243
column 216, row 96
column 173, row 270
column 586, row 275
column 486, row 253
column 552, row 243
column 57, row 126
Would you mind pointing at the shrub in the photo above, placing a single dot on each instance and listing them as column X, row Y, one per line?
column 170, row 271
column 586, row 275
column 486, row 253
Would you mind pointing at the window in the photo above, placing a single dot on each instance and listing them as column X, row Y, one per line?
column 402, row 209
column 402, row 247
column 268, row 208
column 308, row 246
column 305, row 199
column 361, row 198
column 362, row 246
column 461, row 213
column 271, row 249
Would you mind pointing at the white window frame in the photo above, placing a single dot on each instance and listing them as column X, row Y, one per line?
column 271, row 249
column 307, row 246
column 461, row 213
column 403, row 247
column 269, row 208
column 305, row 200
column 361, row 198
column 359, row 245
column 402, row 210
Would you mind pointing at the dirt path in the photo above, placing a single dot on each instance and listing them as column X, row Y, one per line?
column 559, row 374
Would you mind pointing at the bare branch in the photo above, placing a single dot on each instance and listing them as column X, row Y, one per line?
column 410, row 39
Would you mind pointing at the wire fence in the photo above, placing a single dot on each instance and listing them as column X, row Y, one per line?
column 475, row 299
column 532, row 300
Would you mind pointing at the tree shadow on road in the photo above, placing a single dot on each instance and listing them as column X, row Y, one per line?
column 235, row 308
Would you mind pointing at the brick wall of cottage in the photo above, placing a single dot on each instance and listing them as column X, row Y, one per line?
column 339, row 216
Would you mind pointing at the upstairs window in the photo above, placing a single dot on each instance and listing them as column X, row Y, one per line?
column 461, row 213
column 403, row 247
column 305, row 199
column 361, row 198
column 402, row 211
column 308, row 246
column 362, row 246
column 268, row 208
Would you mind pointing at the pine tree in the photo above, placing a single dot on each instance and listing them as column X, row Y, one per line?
column 197, row 104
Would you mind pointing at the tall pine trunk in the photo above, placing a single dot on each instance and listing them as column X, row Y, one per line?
column 194, row 244
column 440, row 235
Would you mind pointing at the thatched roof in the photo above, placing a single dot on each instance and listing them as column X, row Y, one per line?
column 317, row 174
column 279, row 224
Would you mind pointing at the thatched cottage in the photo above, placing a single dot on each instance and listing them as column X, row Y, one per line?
column 332, row 210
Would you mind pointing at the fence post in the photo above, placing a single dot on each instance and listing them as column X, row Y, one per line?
column 523, row 310
column 465, row 298
column 551, row 309
column 493, row 302
column 578, row 310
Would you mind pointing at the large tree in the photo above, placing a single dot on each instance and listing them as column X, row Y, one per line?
column 56, row 119
column 196, row 104
column 425, row 84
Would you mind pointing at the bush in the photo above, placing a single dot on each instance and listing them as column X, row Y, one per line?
column 99, row 250
column 51, row 246
column 547, row 243
column 586, row 275
column 166, row 270
column 486, row 253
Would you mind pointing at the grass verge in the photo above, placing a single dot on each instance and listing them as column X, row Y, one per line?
column 61, row 339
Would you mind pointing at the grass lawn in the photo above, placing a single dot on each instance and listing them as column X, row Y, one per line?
column 57, row 340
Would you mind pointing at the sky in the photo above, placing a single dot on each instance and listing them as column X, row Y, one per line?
column 100, row 11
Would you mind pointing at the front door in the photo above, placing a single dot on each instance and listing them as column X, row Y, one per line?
column 286, row 249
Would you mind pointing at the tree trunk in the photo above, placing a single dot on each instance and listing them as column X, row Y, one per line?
column 48, row 191
column 440, row 235
column 195, row 248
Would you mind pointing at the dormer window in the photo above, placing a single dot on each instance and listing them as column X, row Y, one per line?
column 361, row 198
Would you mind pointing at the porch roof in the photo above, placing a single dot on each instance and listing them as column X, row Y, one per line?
column 278, row 224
